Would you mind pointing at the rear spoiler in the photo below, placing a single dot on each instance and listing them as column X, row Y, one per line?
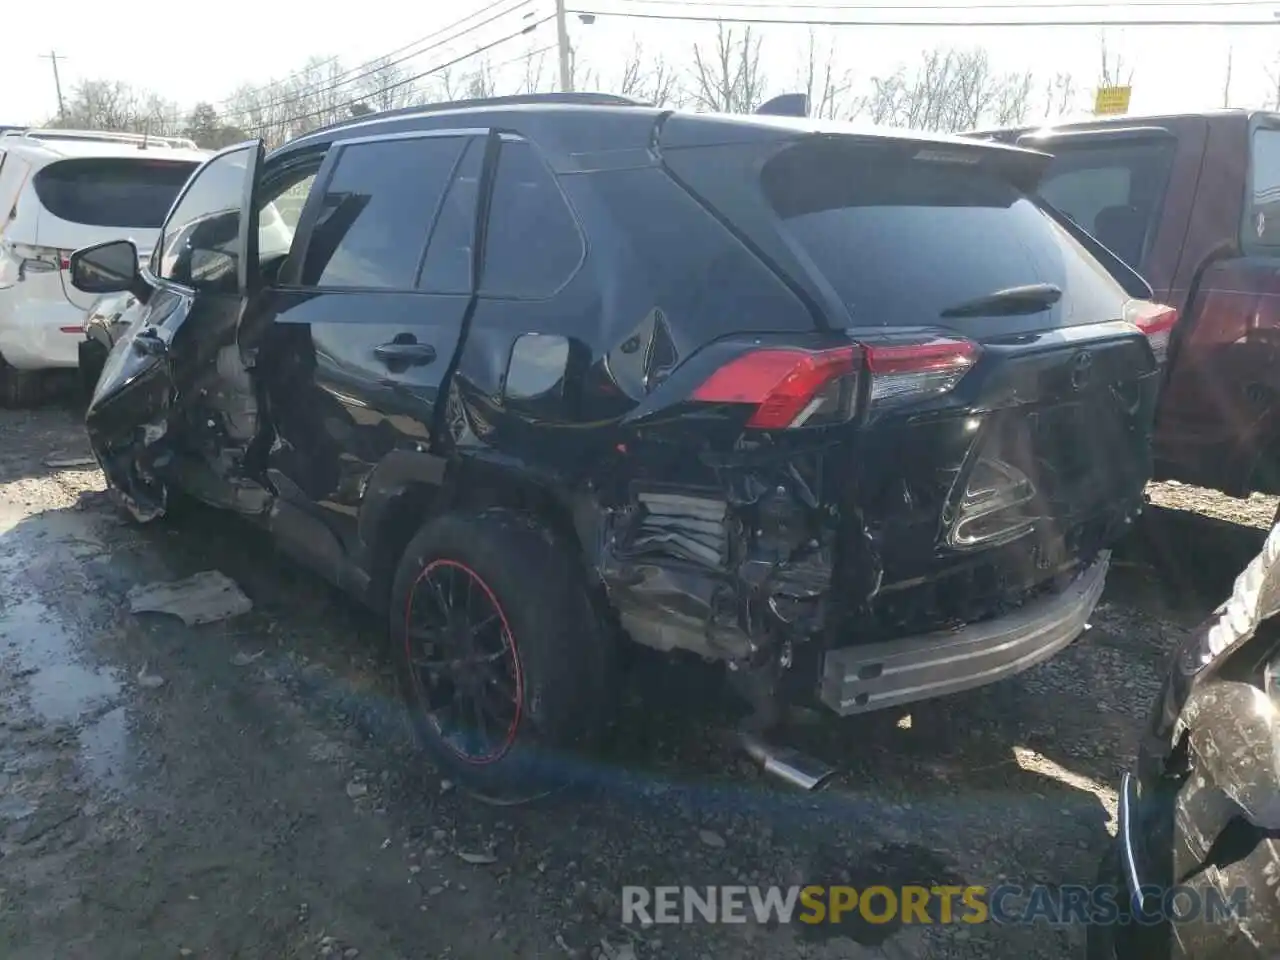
column 785, row 105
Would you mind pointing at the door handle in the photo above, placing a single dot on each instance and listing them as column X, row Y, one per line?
column 414, row 354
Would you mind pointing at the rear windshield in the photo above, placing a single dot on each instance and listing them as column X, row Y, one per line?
column 1113, row 190
column 901, row 240
column 112, row 192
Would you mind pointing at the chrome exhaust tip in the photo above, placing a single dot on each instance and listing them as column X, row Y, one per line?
column 796, row 768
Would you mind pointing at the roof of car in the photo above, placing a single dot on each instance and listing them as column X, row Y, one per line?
column 581, row 125
column 58, row 147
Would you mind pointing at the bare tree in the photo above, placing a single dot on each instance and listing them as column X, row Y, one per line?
column 536, row 78
column 651, row 79
column 951, row 90
column 1113, row 72
column 826, row 87
column 728, row 77
column 111, row 105
column 384, row 85
column 1226, row 86
column 1013, row 99
column 1059, row 96
column 479, row 83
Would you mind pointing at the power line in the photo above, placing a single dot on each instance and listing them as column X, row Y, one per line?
column 381, row 63
column 710, row 18
column 315, row 115
column 905, row 7
column 283, row 80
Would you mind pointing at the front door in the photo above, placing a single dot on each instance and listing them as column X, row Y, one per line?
column 198, row 274
column 366, row 315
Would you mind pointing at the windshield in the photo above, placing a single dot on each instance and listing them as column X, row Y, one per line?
column 907, row 240
column 112, row 191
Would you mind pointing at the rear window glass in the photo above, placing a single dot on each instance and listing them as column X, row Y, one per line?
column 1264, row 226
column 1112, row 190
column 112, row 192
column 900, row 240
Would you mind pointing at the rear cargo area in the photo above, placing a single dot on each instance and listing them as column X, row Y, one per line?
column 961, row 504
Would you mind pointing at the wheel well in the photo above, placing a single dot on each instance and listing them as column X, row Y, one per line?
column 474, row 490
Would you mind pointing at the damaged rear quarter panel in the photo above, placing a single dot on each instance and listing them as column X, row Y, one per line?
column 702, row 543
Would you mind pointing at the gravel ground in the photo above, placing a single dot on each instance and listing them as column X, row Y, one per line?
column 246, row 788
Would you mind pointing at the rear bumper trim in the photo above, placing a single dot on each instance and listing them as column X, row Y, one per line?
column 859, row 679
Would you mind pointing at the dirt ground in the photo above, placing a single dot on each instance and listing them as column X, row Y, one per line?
column 247, row 788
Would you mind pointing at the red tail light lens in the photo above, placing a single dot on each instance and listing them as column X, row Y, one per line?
column 795, row 388
column 789, row 388
column 1156, row 320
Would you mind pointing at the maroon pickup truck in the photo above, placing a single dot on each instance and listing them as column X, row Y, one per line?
column 1192, row 202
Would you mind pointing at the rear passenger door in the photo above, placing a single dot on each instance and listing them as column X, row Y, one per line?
column 369, row 311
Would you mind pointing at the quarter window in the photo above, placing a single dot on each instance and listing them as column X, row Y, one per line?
column 376, row 212
column 533, row 244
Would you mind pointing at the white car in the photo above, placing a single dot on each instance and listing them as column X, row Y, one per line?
column 61, row 190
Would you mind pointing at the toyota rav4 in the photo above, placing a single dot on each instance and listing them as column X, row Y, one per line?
column 847, row 411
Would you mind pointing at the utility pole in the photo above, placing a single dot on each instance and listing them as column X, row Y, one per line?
column 53, row 56
column 564, row 50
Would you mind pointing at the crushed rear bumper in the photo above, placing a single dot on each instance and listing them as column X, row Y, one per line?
column 862, row 678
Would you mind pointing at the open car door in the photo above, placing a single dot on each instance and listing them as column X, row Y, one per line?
column 194, row 288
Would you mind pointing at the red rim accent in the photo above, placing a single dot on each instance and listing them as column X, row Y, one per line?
column 509, row 640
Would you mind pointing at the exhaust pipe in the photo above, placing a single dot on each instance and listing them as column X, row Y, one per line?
column 796, row 768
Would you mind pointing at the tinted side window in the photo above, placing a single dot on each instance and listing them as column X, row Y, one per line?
column 1264, row 221
column 1114, row 191
column 451, row 252
column 200, row 246
column 377, row 209
column 533, row 245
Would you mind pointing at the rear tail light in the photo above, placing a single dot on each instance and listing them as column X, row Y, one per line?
column 909, row 371
column 33, row 259
column 792, row 388
column 789, row 388
column 1156, row 320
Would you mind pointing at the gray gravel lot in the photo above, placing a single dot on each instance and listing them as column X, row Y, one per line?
column 262, row 801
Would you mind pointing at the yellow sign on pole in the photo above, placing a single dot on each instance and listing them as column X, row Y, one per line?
column 1112, row 100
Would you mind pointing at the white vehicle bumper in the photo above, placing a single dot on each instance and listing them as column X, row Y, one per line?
column 40, row 334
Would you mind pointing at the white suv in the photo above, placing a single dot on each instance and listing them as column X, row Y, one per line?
column 61, row 190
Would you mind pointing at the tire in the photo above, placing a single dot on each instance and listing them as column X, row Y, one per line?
column 19, row 388
column 548, row 677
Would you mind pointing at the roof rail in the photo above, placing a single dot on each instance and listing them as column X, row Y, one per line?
column 519, row 99
column 100, row 136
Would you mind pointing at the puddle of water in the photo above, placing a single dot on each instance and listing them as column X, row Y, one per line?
column 102, row 747
column 62, row 688
column 16, row 808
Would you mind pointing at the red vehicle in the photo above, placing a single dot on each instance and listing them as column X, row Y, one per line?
column 1192, row 202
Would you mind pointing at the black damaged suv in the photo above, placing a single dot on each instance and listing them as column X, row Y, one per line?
column 850, row 412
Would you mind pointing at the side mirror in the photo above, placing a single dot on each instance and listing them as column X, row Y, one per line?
column 110, row 267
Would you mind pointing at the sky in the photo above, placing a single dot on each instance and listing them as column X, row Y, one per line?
column 1174, row 68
